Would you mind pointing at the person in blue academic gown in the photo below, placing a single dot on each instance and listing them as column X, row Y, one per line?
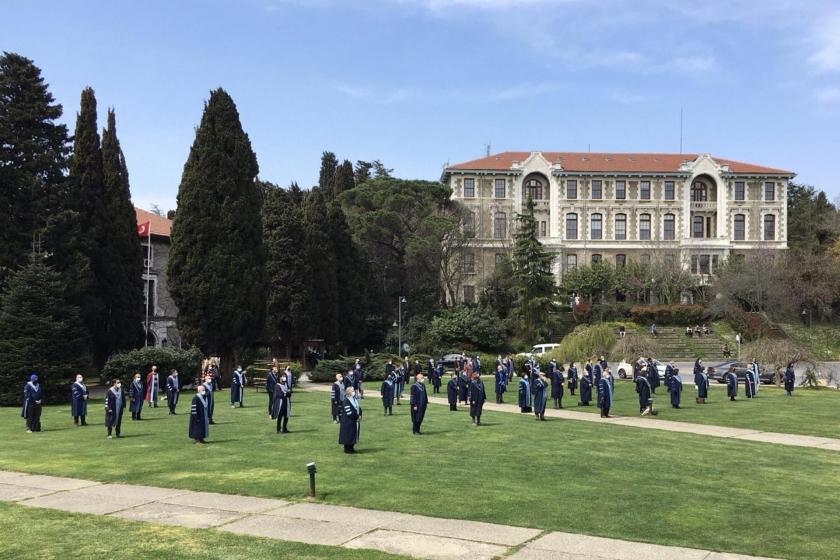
column 645, row 399
column 557, row 386
column 33, row 399
column 790, row 379
column 731, row 379
column 540, row 395
column 199, row 428
column 351, row 418
column 114, row 407
column 501, row 383
column 756, row 376
column 597, row 372
column 78, row 401
column 669, row 373
column 237, row 388
column 281, row 409
column 585, row 389
column 418, row 401
column 701, row 381
column 524, row 394
column 463, row 387
column 477, row 397
column 604, row 363
column 386, row 391
column 173, row 391
column 749, row 383
column 508, row 363
column 211, row 398
column 270, row 382
column 337, row 396
column 135, row 397
column 572, row 376
column 452, row 392
column 605, row 396
column 674, row 387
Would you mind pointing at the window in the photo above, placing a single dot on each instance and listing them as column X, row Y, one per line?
column 500, row 188
column 704, row 264
column 620, row 260
column 669, row 190
column 769, row 190
column 621, row 226
column 695, row 264
column 150, row 287
column 469, row 224
column 571, row 262
column 697, row 227
column 469, row 263
column 739, row 190
column 669, row 260
column 469, row 294
column 644, row 190
column 620, row 190
column 542, row 228
column 571, row 188
column 500, row 258
column 644, row 227
column 740, row 227
column 698, row 192
column 715, row 263
column 533, row 189
column 571, row 226
column 769, row 227
column 644, row 259
column 596, row 258
column 469, row 188
column 596, row 190
column 499, row 225
column 669, row 227
column 597, row 227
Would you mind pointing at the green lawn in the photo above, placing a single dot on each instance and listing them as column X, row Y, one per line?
column 822, row 338
column 43, row 533
column 613, row 481
column 813, row 412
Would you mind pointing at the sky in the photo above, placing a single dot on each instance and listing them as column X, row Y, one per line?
column 418, row 84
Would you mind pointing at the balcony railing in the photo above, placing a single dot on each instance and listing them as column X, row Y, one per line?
column 704, row 205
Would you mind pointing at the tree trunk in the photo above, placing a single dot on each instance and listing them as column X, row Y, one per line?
column 226, row 358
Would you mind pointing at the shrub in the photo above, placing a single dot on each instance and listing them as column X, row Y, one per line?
column 126, row 364
column 668, row 314
column 631, row 346
column 584, row 342
column 582, row 312
column 752, row 326
column 326, row 370
column 465, row 327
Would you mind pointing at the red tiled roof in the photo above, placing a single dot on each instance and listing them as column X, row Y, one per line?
column 586, row 162
column 160, row 226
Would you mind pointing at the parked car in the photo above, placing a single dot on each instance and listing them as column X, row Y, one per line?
column 539, row 350
column 716, row 373
column 449, row 361
column 625, row 370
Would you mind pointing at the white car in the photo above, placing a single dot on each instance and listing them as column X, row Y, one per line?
column 539, row 350
column 625, row 370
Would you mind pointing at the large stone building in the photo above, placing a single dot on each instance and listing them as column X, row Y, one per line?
column 689, row 210
column 163, row 313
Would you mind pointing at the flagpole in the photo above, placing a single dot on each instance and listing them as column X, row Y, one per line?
column 148, row 282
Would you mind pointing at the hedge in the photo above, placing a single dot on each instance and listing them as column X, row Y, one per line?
column 682, row 315
column 126, row 364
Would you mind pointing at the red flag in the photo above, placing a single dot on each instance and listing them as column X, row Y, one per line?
column 144, row 229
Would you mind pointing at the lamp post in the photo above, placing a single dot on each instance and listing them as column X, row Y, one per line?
column 401, row 300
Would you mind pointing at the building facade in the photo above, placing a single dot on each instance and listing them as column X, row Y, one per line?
column 688, row 210
column 163, row 313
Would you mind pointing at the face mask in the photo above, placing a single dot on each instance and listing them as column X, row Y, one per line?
column 283, row 379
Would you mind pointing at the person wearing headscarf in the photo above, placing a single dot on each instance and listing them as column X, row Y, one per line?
column 351, row 418
column 78, row 401
column 237, row 388
column 114, row 407
column 33, row 399
column 540, row 395
column 477, row 397
column 135, row 397
column 199, row 429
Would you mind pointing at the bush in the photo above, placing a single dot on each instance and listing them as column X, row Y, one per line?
column 752, row 326
column 326, row 370
column 584, row 342
column 667, row 314
column 616, row 311
column 467, row 327
column 631, row 346
column 126, row 364
column 582, row 312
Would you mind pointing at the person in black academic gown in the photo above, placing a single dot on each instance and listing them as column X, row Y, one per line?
column 135, row 397
column 749, row 384
column 701, row 381
column 605, row 396
column 585, row 389
column 540, row 385
column 78, row 401
column 572, row 376
column 652, row 375
column 419, row 401
column 237, row 388
column 33, row 398
column 386, row 391
column 281, row 408
column 477, row 397
column 731, row 379
column 525, row 394
column 452, row 392
column 199, row 428
column 557, row 386
column 270, row 382
column 351, row 418
column 501, row 383
column 173, row 391
column 437, row 377
column 790, row 379
column 463, row 387
column 645, row 400
column 337, row 396
column 675, row 389
column 669, row 373
column 211, row 398
column 114, row 407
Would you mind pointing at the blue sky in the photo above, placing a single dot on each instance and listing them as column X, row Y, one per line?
column 418, row 83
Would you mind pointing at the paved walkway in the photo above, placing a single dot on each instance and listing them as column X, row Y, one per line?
column 309, row 522
column 829, row 444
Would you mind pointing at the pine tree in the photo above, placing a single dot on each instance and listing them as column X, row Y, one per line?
column 344, row 180
column 33, row 158
column 326, row 178
column 39, row 332
column 533, row 279
column 216, row 264
column 322, row 284
column 121, row 253
column 361, row 172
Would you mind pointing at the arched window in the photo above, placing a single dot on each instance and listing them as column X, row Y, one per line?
column 699, row 192
column 597, row 227
column 571, row 226
column 644, row 227
column 769, row 227
column 621, row 226
column 739, row 231
column 499, row 225
column 669, row 227
column 534, row 189
column 620, row 260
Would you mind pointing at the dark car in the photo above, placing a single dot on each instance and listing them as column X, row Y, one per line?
column 449, row 361
column 717, row 373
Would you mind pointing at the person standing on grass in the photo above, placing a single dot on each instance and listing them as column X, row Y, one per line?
column 463, row 386
column 135, row 397
column 237, row 388
column 669, row 373
column 701, row 381
column 477, row 398
column 78, row 400
column 282, row 408
column 604, row 363
column 605, row 396
column 211, row 398
column 749, row 384
column 501, row 383
column 270, row 382
column 652, row 374
column 597, row 373
column 173, row 391
column 114, row 407
column 351, row 418
column 585, row 389
column 557, row 386
column 790, row 379
column 674, row 387
column 524, row 394
column 152, row 387
column 540, row 395
column 337, row 395
column 756, row 376
column 440, row 371
column 387, row 393
column 645, row 399
column 731, row 379
column 418, row 401
column 199, row 428
column 452, row 392
column 33, row 398
column 508, row 363
column 572, row 376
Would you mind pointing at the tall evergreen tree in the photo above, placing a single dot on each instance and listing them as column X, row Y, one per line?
column 344, row 180
column 329, row 168
column 361, row 172
column 121, row 253
column 216, row 263
column 33, row 158
column 40, row 331
column 533, row 280
column 322, row 284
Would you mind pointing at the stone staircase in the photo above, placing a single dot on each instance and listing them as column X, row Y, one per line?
column 680, row 348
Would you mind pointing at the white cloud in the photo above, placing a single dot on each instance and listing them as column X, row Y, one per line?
column 826, row 57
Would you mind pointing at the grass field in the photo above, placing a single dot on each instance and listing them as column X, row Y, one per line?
column 43, row 533
column 642, row 485
column 809, row 412
column 822, row 338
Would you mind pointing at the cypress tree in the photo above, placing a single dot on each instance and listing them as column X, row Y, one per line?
column 329, row 168
column 322, row 284
column 216, row 274
column 121, row 281
column 361, row 172
column 344, row 180
column 40, row 331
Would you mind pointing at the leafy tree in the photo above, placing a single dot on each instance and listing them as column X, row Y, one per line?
column 216, row 264
column 499, row 292
column 465, row 327
column 533, row 279
column 40, row 331
column 595, row 281
column 361, row 172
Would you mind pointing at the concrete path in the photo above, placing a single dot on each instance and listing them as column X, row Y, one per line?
column 309, row 522
column 815, row 442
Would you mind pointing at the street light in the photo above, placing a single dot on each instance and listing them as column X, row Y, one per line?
column 400, row 301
